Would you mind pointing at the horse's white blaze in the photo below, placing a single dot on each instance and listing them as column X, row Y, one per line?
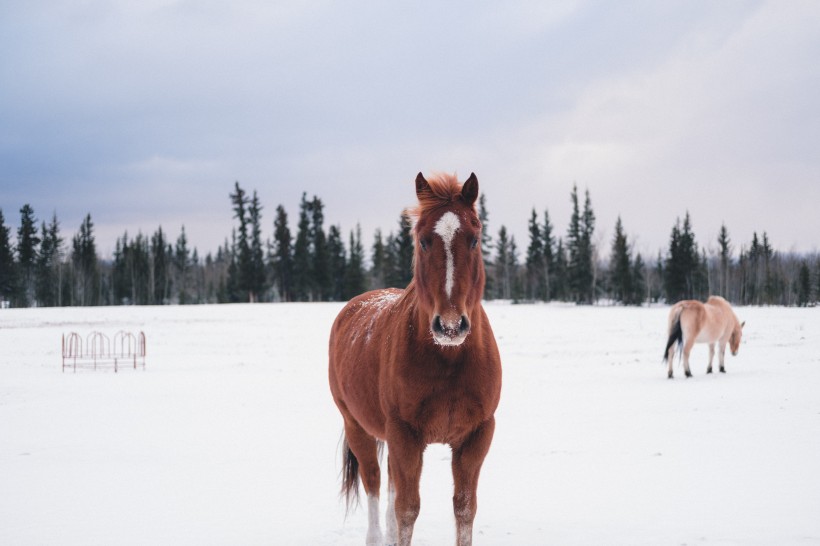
column 446, row 228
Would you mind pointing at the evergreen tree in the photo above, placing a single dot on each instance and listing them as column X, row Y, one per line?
column 337, row 264
column 160, row 270
column 241, row 272
column 683, row 265
column 378, row 272
column 804, row 285
column 27, row 248
column 301, row 254
column 182, row 266
column 503, row 267
column 535, row 263
column 282, row 260
column 486, row 248
column 8, row 277
column 355, row 281
column 638, row 281
column 725, row 250
column 85, row 265
column 549, row 259
column 560, row 285
column 257, row 279
column 621, row 267
column 400, row 257
column 48, row 265
column 579, row 246
column 321, row 275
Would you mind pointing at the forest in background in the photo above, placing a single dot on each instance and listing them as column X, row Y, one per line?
column 39, row 268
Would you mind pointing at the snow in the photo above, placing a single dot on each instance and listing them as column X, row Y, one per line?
column 230, row 436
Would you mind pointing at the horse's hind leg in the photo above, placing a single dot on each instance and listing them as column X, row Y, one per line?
column 712, row 357
column 366, row 450
column 722, row 355
column 687, row 348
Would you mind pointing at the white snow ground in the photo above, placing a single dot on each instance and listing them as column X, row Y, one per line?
column 230, row 435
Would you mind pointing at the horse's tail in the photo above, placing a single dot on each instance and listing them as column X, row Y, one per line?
column 350, row 475
column 675, row 335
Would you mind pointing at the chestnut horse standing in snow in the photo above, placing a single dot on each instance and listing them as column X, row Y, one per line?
column 419, row 366
column 691, row 322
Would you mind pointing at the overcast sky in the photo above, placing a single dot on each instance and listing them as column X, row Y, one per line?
column 144, row 113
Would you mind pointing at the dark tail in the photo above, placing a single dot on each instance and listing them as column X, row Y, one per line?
column 675, row 336
column 350, row 476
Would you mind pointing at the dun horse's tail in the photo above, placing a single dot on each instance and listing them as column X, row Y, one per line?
column 675, row 336
column 350, row 475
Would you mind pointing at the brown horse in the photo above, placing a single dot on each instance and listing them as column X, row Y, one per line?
column 691, row 322
column 419, row 366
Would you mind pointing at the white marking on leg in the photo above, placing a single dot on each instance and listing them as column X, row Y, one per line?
column 446, row 228
column 374, row 531
column 390, row 517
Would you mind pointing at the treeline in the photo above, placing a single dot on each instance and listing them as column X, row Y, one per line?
column 325, row 264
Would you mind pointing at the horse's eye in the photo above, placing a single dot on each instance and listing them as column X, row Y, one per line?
column 474, row 243
column 424, row 244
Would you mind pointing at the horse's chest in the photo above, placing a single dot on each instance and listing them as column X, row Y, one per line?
column 447, row 416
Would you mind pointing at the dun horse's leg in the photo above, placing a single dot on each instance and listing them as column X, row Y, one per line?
column 687, row 348
column 670, row 358
column 366, row 450
column 722, row 355
column 467, row 461
column 405, row 453
column 711, row 357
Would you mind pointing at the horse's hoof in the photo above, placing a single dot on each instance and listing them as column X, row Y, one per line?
column 688, row 374
column 670, row 375
column 709, row 370
column 722, row 370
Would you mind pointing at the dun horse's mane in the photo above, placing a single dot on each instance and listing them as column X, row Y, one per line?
column 444, row 189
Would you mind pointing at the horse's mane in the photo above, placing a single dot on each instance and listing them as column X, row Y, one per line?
column 444, row 189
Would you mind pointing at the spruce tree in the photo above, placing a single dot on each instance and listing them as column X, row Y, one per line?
column 257, row 278
column 282, row 261
column 548, row 242
column 535, row 261
column 486, row 248
column 725, row 250
column 85, row 265
column 182, row 266
column 503, row 267
column 8, row 277
column 320, row 267
column 804, row 285
column 378, row 271
column 560, row 283
column 161, row 268
column 401, row 255
column 48, row 265
column 27, row 247
column 638, row 281
column 579, row 247
column 621, row 267
column 301, row 254
column 355, row 280
column 337, row 264
column 242, row 270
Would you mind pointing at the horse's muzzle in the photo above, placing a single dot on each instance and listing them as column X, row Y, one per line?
column 450, row 332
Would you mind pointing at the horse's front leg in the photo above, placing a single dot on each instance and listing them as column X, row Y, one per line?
column 405, row 453
column 722, row 355
column 712, row 357
column 467, row 461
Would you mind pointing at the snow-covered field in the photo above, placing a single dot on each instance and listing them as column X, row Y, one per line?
column 230, row 435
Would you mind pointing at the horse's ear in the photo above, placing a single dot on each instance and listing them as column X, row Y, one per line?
column 422, row 186
column 742, row 324
column 469, row 191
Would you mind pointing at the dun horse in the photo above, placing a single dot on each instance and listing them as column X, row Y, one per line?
column 419, row 366
column 691, row 322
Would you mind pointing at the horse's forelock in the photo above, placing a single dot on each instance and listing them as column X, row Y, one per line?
column 442, row 189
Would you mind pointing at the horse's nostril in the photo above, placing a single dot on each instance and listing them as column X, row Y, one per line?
column 464, row 325
column 437, row 326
